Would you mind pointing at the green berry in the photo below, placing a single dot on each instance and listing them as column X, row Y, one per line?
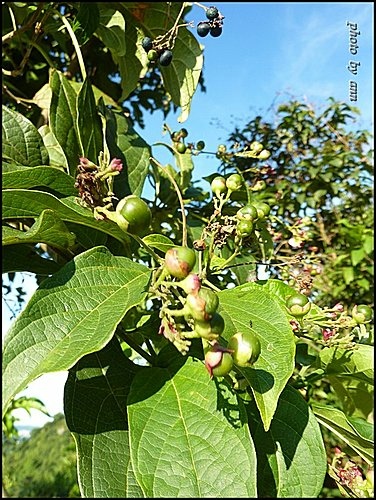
column 246, row 348
column 181, row 147
column 200, row 145
column 136, row 212
column 218, row 186
column 234, row 182
column 152, row 55
column 179, row 261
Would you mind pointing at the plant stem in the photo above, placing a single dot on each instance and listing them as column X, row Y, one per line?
column 133, row 345
column 75, row 44
column 181, row 202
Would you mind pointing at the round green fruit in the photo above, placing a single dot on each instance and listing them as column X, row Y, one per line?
column 181, row 147
column 218, row 185
column 263, row 209
column 298, row 305
column 234, row 182
column 248, row 212
column 179, row 261
column 246, row 348
column 152, row 55
column 212, row 329
column 224, row 367
column 362, row 313
column 200, row 145
column 136, row 212
column 244, row 228
column 202, row 305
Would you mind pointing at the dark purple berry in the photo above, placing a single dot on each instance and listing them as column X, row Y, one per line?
column 216, row 31
column 203, row 29
column 165, row 58
column 147, row 43
column 212, row 13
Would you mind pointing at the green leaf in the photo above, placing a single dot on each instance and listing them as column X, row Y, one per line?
column 159, row 242
column 21, row 203
column 101, row 430
column 291, row 458
column 335, row 420
column 73, row 313
column 188, row 435
column 88, row 123
column 57, row 156
column 348, row 274
column 356, row 396
column 368, row 244
column 252, row 304
column 17, row 177
column 48, row 229
column 22, row 143
column 357, row 256
column 356, row 363
column 125, row 143
column 182, row 75
column 88, row 19
column 63, row 119
column 120, row 40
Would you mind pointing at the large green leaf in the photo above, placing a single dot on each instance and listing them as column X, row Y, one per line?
column 63, row 119
column 356, row 436
column 125, row 143
column 21, row 203
column 117, row 30
column 48, row 228
column 189, row 435
column 356, row 396
column 57, row 156
column 88, row 123
column 357, row 363
column 22, row 143
column 291, row 458
column 252, row 304
column 18, row 177
column 73, row 313
column 95, row 400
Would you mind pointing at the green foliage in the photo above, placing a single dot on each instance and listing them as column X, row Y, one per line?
column 147, row 418
column 42, row 465
column 321, row 172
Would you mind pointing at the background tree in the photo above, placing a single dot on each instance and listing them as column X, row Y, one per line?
column 43, row 465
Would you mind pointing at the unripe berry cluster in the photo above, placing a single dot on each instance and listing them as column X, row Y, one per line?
column 213, row 25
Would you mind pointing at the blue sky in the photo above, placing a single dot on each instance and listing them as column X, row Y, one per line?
column 267, row 53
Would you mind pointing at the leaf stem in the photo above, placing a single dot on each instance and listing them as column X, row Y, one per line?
column 133, row 345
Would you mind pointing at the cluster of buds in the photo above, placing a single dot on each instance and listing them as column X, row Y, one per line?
column 350, row 478
column 92, row 180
